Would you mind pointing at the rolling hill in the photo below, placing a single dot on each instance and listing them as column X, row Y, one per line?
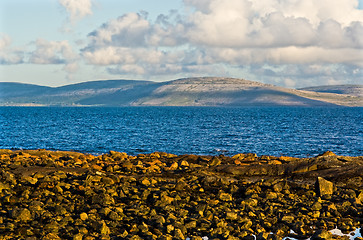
column 206, row 91
column 354, row 90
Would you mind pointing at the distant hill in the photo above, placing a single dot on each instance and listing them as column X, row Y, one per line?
column 11, row 90
column 206, row 91
column 354, row 90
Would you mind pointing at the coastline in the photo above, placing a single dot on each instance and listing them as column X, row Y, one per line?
column 81, row 196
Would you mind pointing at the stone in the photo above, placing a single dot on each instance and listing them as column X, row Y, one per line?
column 288, row 218
column 178, row 234
column 321, row 235
column 225, row 197
column 262, row 236
column 22, row 214
column 51, row 236
column 324, row 187
column 231, row 216
column 215, row 162
column 83, row 216
column 316, row 206
column 174, row 166
column 327, row 154
column 169, row 228
column 146, row 182
column 360, row 196
column 130, row 199
column 78, row 236
column 184, row 164
column 108, row 180
column 104, row 229
column 271, row 195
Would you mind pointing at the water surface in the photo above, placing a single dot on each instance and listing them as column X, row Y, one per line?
column 275, row 131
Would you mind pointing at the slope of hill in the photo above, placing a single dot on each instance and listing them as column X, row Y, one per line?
column 207, row 91
column 354, row 90
column 11, row 90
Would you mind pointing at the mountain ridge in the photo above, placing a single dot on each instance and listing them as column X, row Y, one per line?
column 197, row 91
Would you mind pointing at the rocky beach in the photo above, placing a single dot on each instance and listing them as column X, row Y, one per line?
column 69, row 195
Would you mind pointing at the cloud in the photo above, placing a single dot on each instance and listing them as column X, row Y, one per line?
column 55, row 52
column 133, row 30
column 301, row 75
column 77, row 9
column 235, row 32
column 52, row 52
column 245, row 24
column 289, row 42
column 8, row 54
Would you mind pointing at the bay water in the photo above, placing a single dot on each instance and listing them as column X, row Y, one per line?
column 289, row 131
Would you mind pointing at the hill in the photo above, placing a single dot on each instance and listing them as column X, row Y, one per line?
column 354, row 90
column 206, row 91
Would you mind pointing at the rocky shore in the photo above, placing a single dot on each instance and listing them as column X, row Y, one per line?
column 69, row 195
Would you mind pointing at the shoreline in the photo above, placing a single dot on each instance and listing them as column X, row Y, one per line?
column 72, row 195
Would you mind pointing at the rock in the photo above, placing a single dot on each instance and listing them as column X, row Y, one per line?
column 22, row 214
column 225, row 197
column 83, row 216
column 145, row 198
column 316, row 206
column 178, row 234
column 107, row 181
column 215, row 162
column 78, row 236
column 360, row 196
column 288, row 218
column 327, row 154
column 104, row 229
column 231, row 216
column 174, row 166
column 51, row 236
column 324, row 187
column 146, row 182
column 271, row 195
column 321, row 235
column 262, row 236
column 183, row 164
column 169, row 228
column 278, row 187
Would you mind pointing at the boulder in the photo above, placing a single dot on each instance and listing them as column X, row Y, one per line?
column 324, row 187
column 22, row 214
column 322, row 235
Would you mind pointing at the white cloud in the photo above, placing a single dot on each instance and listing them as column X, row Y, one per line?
column 317, row 39
column 244, row 24
column 55, row 52
column 301, row 75
column 77, row 9
column 5, row 41
column 128, row 30
column 52, row 52
column 8, row 54
column 133, row 30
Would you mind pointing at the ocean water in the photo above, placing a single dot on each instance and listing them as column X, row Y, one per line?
column 300, row 132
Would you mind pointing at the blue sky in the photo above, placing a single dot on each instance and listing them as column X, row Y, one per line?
column 287, row 43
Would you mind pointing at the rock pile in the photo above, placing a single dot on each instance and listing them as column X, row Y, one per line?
column 68, row 195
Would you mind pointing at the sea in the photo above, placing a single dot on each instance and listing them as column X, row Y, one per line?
column 274, row 131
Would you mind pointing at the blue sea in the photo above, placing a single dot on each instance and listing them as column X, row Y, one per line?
column 291, row 131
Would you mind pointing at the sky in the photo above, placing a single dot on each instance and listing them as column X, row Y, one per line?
column 290, row 43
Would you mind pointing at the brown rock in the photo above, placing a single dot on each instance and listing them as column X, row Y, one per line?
column 321, row 235
column 22, row 214
column 327, row 154
column 324, row 187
